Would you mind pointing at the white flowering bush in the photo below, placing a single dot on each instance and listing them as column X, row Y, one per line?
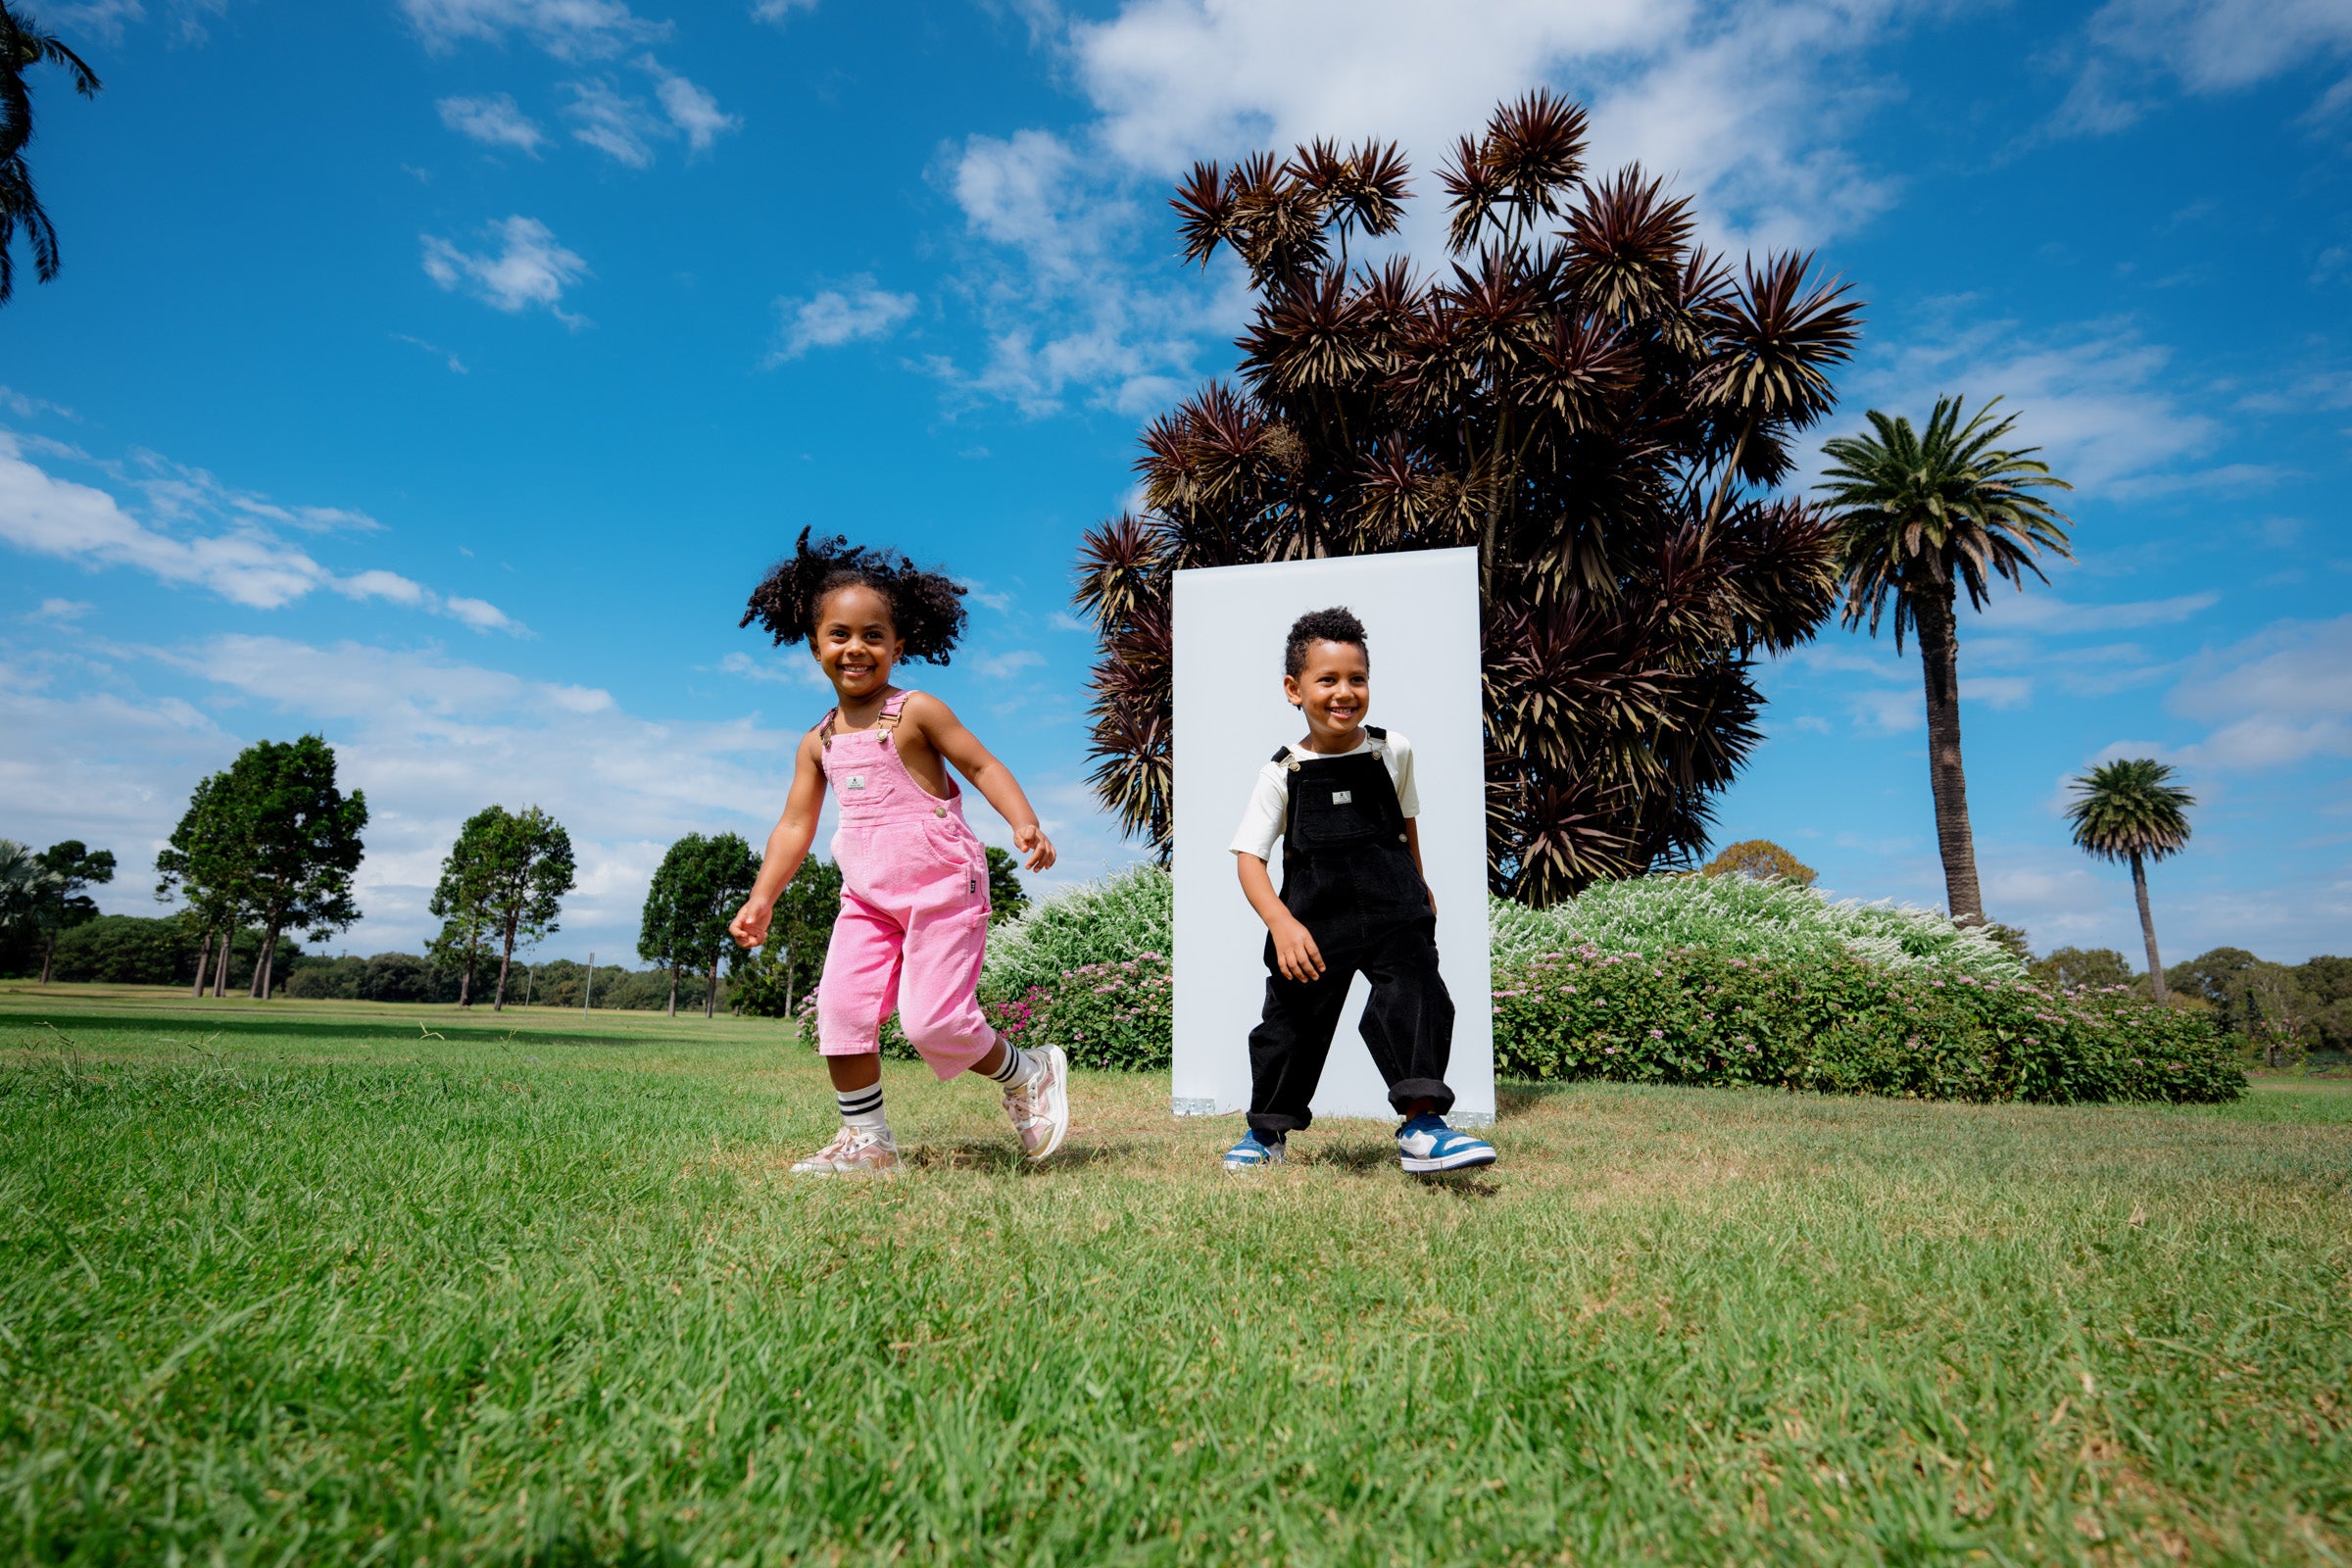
column 1111, row 921
column 1746, row 917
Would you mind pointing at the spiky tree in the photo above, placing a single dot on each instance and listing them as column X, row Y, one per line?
column 1585, row 394
column 2130, row 810
column 22, row 46
column 1922, row 515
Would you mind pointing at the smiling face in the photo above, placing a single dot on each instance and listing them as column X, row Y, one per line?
column 1333, row 690
column 855, row 641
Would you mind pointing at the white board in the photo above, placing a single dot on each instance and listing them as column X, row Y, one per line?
column 1420, row 614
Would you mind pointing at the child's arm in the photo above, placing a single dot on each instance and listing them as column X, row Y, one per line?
column 1295, row 951
column 940, row 729
column 787, row 845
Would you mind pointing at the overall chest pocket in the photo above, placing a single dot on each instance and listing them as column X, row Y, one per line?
column 1333, row 809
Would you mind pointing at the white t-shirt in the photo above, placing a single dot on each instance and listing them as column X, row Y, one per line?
column 1270, row 798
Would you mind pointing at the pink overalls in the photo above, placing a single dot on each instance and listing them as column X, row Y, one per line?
column 914, row 922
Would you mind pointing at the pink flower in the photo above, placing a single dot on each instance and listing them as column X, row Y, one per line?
column 1657, row 1034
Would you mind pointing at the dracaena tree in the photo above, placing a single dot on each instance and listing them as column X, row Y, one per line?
column 1583, row 392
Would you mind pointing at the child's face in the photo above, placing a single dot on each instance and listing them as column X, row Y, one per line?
column 1333, row 688
column 855, row 641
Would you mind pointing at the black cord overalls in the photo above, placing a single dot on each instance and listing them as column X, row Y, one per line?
column 1349, row 878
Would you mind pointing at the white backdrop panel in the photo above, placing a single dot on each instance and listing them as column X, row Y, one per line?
column 1420, row 613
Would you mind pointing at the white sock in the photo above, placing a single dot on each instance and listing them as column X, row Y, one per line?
column 1021, row 1068
column 861, row 1111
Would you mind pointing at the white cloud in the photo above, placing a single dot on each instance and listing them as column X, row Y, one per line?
column 456, row 366
column 776, row 11
column 691, row 109
column 65, row 611
column 2278, row 699
column 2101, row 403
column 621, row 128
column 106, row 17
column 531, row 268
column 1996, row 691
column 493, row 121
column 1886, row 712
column 832, row 317
column 2047, row 612
column 240, row 558
column 625, row 127
column 785, row 672
column 2221, row 45
column 569, row 29
column 1739, row 104
column 1007, row 666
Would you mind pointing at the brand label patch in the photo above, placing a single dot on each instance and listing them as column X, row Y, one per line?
column 1341, row 797
column 856, row 781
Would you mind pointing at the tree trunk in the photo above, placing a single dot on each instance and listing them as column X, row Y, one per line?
column 1939, row 658
column 48, row 954
column 505, row 962
column 465, row 982
column 204, row 964
column 2147, row 927
column 673, row 991
column 711, row 991
column 263, row 964
column 228, row 953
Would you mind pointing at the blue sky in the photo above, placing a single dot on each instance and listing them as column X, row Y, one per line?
column 439, row 374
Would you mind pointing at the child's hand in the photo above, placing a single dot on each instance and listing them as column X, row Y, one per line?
column 1296, row 954
column 749, row 928
column 1032, row 842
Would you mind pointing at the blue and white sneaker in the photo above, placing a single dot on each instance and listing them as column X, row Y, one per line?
column 1250, row 1155
column 1426, row 1143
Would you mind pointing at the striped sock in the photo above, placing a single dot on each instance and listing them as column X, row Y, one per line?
column 1021, row 1069
column 862, row 1110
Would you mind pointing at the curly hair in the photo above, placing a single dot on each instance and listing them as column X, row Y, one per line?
column 1338, row 624
column 926, row 607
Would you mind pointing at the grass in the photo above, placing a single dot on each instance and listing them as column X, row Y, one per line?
column 304, row 1283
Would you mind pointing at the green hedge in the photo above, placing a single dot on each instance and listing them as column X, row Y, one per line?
column 1842, row 1025
column 1744, row 983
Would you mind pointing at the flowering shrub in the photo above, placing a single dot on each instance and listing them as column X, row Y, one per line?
column 1119, row 1015
column 1840, row 1024
column 1110, row 921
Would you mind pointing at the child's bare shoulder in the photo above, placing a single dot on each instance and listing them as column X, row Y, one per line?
column 927, row 712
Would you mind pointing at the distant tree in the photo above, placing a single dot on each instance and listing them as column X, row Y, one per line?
column 722, row 873
column 2130, row 810
column 461, row 899
column 25, row 886
column 22, row 46
column 1760, row 857
column 303, row 841
column 73, row 868
column 526, row 868
column 1006, row 898
column 1583, row 393
column 1921, row 517
column 669, row 924
column 771, row 979
column 2079, row 969
column 2327, row 981
column 208, row 865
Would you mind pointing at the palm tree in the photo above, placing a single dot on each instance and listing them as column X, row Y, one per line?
column 23, row 45
column 1920, row 517
column 2128, row 810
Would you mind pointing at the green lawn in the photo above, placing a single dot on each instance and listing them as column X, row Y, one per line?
column 307, row 1282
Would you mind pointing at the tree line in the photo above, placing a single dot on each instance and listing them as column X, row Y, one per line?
column 271, row 846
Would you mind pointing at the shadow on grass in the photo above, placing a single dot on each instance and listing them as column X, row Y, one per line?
column 256, row 1026
column 1001, row 1158
column 1517, row 1099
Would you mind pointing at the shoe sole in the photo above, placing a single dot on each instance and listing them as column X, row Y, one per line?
column 1061, row 1102
column 1423, row 1165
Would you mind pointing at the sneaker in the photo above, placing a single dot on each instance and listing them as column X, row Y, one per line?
column 852, row 1152
column 1426, row 1143
column 1251, row 1155
column 1039, row 1110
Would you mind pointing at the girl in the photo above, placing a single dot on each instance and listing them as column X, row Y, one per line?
column 914, row 919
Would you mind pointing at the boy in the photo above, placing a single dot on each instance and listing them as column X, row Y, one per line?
column 1352, row 898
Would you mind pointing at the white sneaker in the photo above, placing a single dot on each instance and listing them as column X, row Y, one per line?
column 1040, row 1112
column 852, row 1152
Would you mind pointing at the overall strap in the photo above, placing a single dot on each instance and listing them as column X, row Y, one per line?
column 890, row 714
column 824, row 731
column 1378, row 734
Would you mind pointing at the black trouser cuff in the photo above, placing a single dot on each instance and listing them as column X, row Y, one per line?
column 1272, row 1127
column 1404, row 1091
